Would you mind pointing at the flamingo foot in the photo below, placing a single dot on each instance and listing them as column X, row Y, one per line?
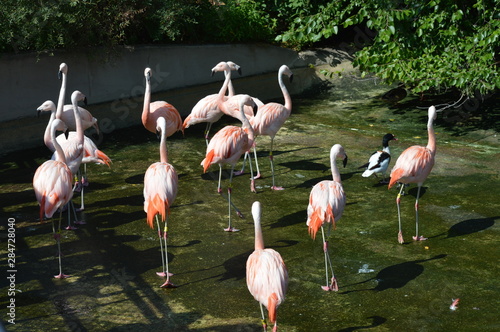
column 164, row 274
column 419, row 238
column 70, row 228
column 62, row 276
column 258, row 176
column 277, row 188
column 85, row 183
column 80, row 222
column 81, row 208
column 219, row 190
column 400, row 238
column 252, row 186
column 332, row 287
column 231, row 229
column 240, row 214
column 168, row 284
column 238, row 173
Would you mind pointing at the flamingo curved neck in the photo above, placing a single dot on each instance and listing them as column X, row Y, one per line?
column 59, row 153
column 259, row 239
column 147, row 102
column 163, row 147
column 431, row 143
column 333, row 166
column 47, row 136
column 78, row 121
column 284, row 90
column 224, row 87
column 62, row 94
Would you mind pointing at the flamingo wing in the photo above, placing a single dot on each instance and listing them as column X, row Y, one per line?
column 52, row 184
column 227, row 146
column 326, row 205
column 412, row 166
column 205, row 110
column 160, row 190
column 267, row 279
column 269, row 119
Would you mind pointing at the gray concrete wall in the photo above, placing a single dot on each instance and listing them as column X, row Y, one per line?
column 181, row 76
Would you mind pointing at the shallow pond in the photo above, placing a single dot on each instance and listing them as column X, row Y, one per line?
column 383, row 286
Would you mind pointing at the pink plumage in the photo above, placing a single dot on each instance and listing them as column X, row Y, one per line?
column 266, row 272
column 153, row 110
column 160, row 191
column 326, row 205
column 413, row 166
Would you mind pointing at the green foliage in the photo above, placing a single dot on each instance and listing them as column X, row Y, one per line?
column 27, row 25
column 429, row 46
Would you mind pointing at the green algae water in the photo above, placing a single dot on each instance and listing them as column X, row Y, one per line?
column 383, row 286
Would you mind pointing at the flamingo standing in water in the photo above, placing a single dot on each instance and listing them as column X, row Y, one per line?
column 91, row 153
column 52, row 184
column 379, row 160
column 160, row 190
column 269, row 119
column 227, row 146
column 65, row 112
column 73, row 146
column 326, row 205
column 207, row 109
column 153, row 110
column 413, row 166
column 267, row 275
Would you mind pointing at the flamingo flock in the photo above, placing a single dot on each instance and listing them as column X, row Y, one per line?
column 57, row 179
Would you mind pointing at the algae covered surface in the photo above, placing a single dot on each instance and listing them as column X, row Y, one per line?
column 383, row 285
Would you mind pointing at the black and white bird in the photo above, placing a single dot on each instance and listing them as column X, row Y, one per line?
column 379, row 160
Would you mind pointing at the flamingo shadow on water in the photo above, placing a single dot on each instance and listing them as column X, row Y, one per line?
column 396, row 276
column 468, row 226
column 376, row 321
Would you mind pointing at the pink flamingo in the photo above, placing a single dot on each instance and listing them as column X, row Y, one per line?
column 230, row 106
column 160, row 190
column 207, row 110
column 153, row 110
column 267, row 275
column 269, row 119
column 413, row 166
column 326, row 205
column 227, row 146
column 52, row 184
column 65, row 112
column 91, row 153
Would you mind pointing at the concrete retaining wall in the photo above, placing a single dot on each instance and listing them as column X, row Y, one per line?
column 114, row 89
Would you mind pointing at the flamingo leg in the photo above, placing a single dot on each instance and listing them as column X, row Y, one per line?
column 238, row 173
column 57, row 236
column 417, row 237
column 219, row 188
column 274, row 187
column 264, row 324
column 162, row 273
column 167, row 283
column 252, row 179
column 398, row 203
column 71, row 207
column 332, row 285
column 207, row 130
column 256, row 163
column 229, row 189
column 84, row 184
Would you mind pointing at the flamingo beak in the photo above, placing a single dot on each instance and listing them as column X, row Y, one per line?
column 239, row 70
column 213, row 72
column 59, row 75
column 38, row 113
column 291, row 78
column 66, row 133
column 85, row 101
column 344, row 162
